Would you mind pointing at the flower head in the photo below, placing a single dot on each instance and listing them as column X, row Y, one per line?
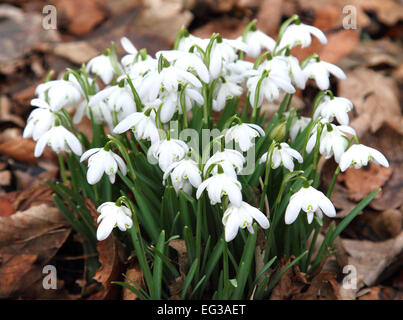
column 242, row 216
column 231, row 161
column 312, row 202
column 300, row 34
column 337, row 107
column 102, row 67
column 59, row 93
column 220, row 185
column 359, row 155
column 257, row 40
column 59, row 139
column 103, row 161
column 332, row 140
column 39, row 121
column 320, row 71
column 244, row 134
column 168, row 152
column 282, row 154
column 142, row 125
column 184, row 174
column 112, row 215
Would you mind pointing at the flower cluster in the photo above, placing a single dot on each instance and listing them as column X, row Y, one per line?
column 140, row 96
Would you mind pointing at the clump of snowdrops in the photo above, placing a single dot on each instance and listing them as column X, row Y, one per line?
column 175, row 155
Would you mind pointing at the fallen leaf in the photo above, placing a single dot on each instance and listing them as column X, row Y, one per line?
column 375, row 100
column 79, row 17
column 15, row 25
column 362, row 182
column 28, row 240
column 133, row 273
column 78, row 52
column 111, row 259
column 371, row 258
column 290, row 284
column 166, row 22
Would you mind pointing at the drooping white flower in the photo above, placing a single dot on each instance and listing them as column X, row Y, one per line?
column 278, row 79
column 142, row 125
column 121, row 101
column 298, row 125
column 128, row 46
column 359, row 155
column 222, row 53
column 111, row 216
column 39, row 121
column 244, row 134
column 224, row 91
column 312, row 202
column 238, row 71
column 337, row 107
column 103, row 161
column 242, row 216
column 187, row 61
column 167, row 152
column 118, row 99
column 187, row 41
column 297, row 74
column 101, row 66
column 320, row 72
column 332, row 140
column 256, row 41
column 184, row 174
column 220, row 185
column 300, row 34
column 100, row 112
column 231, row 161
column 282, row 154
column 59, row 139
column 59, row 93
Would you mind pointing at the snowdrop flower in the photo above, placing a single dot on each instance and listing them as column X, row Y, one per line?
column 312, row 202
column 359, row 155
column 167, row 152
column 220, row 185
column 142, row 124
column 128, row 46
column 231, row 161
column 59, row 139
column 189, row 40
column 238, row 71
column 186, row 61
column 121, row 101
column 59, row 93
column 112, row 215
column 332, row 140
column 102, row 67
column 242, row 217
column 277, row 79
column 39, row 121
column 184, row 174
column 224, row 91
column 244, row 134
column 118, row 99
column 334, row 108
column 222, row 53
column 256, row 41
column 320, row 72
column 282, row 154
column 102, row 161
column 300, row 34
column 298, row 125
column 297, row 74
column 100, row 112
